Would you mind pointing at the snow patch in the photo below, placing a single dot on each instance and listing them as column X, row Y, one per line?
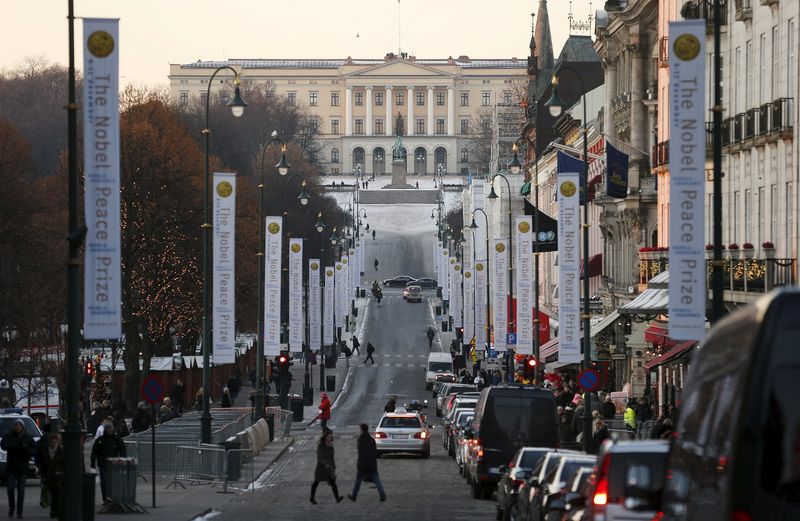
column 207, row 517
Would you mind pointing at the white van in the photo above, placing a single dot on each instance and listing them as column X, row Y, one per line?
column 438, row 363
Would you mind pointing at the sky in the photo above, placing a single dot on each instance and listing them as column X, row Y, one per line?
column 155, row 33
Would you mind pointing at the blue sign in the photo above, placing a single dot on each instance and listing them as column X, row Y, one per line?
column 153, row 389
column 511, row 339
column 589, row 380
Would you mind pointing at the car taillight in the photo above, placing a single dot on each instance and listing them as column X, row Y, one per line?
column 601, row 488
column 741, row 515
column 478, row 449
column 380, row 435
column 658, row 517
column 421, row 435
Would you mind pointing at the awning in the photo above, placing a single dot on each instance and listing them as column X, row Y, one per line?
column 525, row 189
column 659, row 336
column 675, row 352
column 595, row 266
column 551, row 347
column 649, row 302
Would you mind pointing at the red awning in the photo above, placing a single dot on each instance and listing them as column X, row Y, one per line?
column 595, row 266
column 669, row 355
column 659, row 336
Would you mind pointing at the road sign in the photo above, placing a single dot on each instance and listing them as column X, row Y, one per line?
column 153, row 389
column 511, row 339
column 589, row 380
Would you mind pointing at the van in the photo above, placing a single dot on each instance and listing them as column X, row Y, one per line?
column 735, row 450
column 508, row 418
column 437, row 363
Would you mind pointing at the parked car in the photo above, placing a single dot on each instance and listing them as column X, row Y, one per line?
column 551, row 491
column 507, row 418
column 399, row 281
column 517, row 470
column 426, row 283
column 413, row 294
column 735, row 452
column 403, row 432
column 450, row 389
column 462, row 418
column 464, row 440
column 8, row 417
column 570, row 506
column 532, row 481
column 464, row 401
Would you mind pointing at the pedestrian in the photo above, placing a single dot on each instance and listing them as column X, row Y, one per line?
column 109, row 445
column 367, row 226
column 178, row 396
column 120, row 425
column 225, row 401
column 198, row 400
column 376, row 260
column 608, row 409
column 373, row 234
column 478, row 381
column 51, row 467
column 391, row 405
column 370, row 351
column 630, row 417
column 643, row 410
column 431, row 334
column 664, row 431
column 326, row 466
column 367, row 464
column 19, row 447
column 142, row 419
column 600, row 435
column 417, row 185
column 356, row 344
column 166, row 413
column 106, row 421
column 324, row 411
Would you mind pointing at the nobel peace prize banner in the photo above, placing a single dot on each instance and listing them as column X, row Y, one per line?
column 328, row 305
column 456, row 296
column 500, row 291
column 469, row 305
column 569, row 269
column 272, row 286
column 480, row 305
column 296, row 322
column 102, row 311
column 687, row 152
column 524, row 281
column 223, row 302
column 314, row 340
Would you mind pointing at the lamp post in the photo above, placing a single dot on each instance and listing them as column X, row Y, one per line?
column 556, row 106
column 510, row 294
column 237, row 106
column 474, row 226
column 320, row 227
column 283, row 169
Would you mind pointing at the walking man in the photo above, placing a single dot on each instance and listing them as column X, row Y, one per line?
column 19, row 447
column 324, row 410
column 373, row 236
column 376, row 260
column 356, row 345
column 370, row 350
column 51, row 466
column 109, row 445
column 431, row 333
column 367, row 465
column 178, row 396
column 326, row 466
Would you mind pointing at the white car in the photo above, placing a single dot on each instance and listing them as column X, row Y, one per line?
column 402, row 431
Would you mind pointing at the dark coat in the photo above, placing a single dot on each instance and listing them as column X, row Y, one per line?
column 326, row 467
column 107, row 447
column 178, row 394
column 19, row 449
column 141, row 420
column 370, row 348
column 599, row 437
column 367, row 455
column 225, row 402
column 51, row 467
column 608, row 410
column 390, row 406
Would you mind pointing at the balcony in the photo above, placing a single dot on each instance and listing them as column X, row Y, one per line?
column 764, row 111
column 705, row 10
column 781, row 118
column 660, row 154
column 738, row 128
column 755, row 275
column 744, row 10
column 751, row 123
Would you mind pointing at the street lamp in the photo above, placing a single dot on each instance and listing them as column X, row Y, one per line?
column 283, row 168
column 510, row 294
column 555, row 105
column 474, row 226
column 320, row 227
column 237, row 106
column 515, row 166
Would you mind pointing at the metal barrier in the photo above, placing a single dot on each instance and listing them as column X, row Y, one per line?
column 122, row 486
column 282, row 421
column 213, row 464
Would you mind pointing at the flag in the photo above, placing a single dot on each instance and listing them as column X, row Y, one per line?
column 568, row 164
column 616, row 172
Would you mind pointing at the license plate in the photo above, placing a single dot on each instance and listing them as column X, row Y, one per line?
column 400, row 436
column 494, row 470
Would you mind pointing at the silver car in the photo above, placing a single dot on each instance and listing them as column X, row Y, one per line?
column 402, row 431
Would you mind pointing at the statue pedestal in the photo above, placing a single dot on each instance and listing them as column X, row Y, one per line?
column 399, row 172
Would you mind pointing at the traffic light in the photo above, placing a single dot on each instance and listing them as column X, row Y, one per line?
column 530, row 369
column 283, row 363
column 89, row 370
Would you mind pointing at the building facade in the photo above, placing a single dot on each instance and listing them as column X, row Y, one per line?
column 357, row 104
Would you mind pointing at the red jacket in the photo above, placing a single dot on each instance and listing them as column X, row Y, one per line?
column 324, row 409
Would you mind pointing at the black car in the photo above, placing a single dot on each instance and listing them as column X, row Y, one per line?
column 426, row 283
column 735, row 450
column 507, row 418
column 518, row 469
column 399, row 281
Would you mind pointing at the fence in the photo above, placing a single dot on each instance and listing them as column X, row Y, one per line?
column 282, row 421
column 122, row 486
column 620, row 431
column 198, row 464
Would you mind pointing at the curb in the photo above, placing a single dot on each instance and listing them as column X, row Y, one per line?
column 276, row 458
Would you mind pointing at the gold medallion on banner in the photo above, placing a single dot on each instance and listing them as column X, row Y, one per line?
column 344, row 261
column 468, row 274
column 479, row 267
column 452, row 261
column 296, row 248
column 500, row 247
column 314, row 266
column 568, row 189
column 224, row 189
column 338, row 267
column 274, row 228
column 100, row 44
column 457, row 267
column 524, row 227
column 686, row 47
column 329, row 273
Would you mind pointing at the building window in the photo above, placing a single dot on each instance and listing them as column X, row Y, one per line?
column 776, row 69
column 440, row 126
column 334, row 99
column 270, row 95
column 313, row 99
column 792, row 53
column 507, row 97
column 359, row 99
column 334, row 155
column 224, row 96
column 334, row 126
column 440, row 99
column 400, row 99
column 184, row 99
column 359, row 127
column 465, row 126
column 379, row 99
column 379, row 126
column 420, row 99
column 203, row 97
column 291, row 98
column 486, row 98
column 464, row 155
column 420, row 127
column 465, row 99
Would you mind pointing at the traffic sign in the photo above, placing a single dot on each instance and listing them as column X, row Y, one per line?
column 511, row 339
column 589, row 380
column 153, row 389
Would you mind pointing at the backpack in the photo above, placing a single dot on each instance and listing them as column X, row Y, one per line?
column 370, row 348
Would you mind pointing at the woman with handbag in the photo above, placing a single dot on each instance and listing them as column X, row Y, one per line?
column 326, row 466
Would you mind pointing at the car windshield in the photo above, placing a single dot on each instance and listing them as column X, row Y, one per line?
column 530, row 458
column 30, row 427
column 440, row 366
column 571, row 467
column 401, row 422
column 414, row 289
column 620, row 462
column 464, row 419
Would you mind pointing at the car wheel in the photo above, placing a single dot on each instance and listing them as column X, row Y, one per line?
column 476, row 491
column 426, row 453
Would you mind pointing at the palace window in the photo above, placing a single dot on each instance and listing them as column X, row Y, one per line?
column 465, row 99
column 400, row 99
column 420, row 99
column 313, row 98
column 440, row 99
column 334, row 99
column 379, row 99
column 359, row 99
column 420, row 126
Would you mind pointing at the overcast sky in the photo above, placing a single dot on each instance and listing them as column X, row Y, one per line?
column 155, row 33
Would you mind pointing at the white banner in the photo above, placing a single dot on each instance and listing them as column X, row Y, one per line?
column 223, row 301
column 524, row 281
column 444, row 258
column 569, row 272
column 469, row 305
column 347, row 292
column 329, row 304
column 437, row 263
column 500, row 293
column 479, row 202
column 353, row 271
column 272, row 286
column 451, row 262
column 687, row 288
column 314, row 318
column 102, row 311
column 456, row 297
column 296, row 322
column 339, row 282
column 480, row 304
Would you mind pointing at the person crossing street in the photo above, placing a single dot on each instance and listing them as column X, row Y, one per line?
column 367, row 464
column 431, row 334
column 370, row 351
column 356, row 344
column 326, row 466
